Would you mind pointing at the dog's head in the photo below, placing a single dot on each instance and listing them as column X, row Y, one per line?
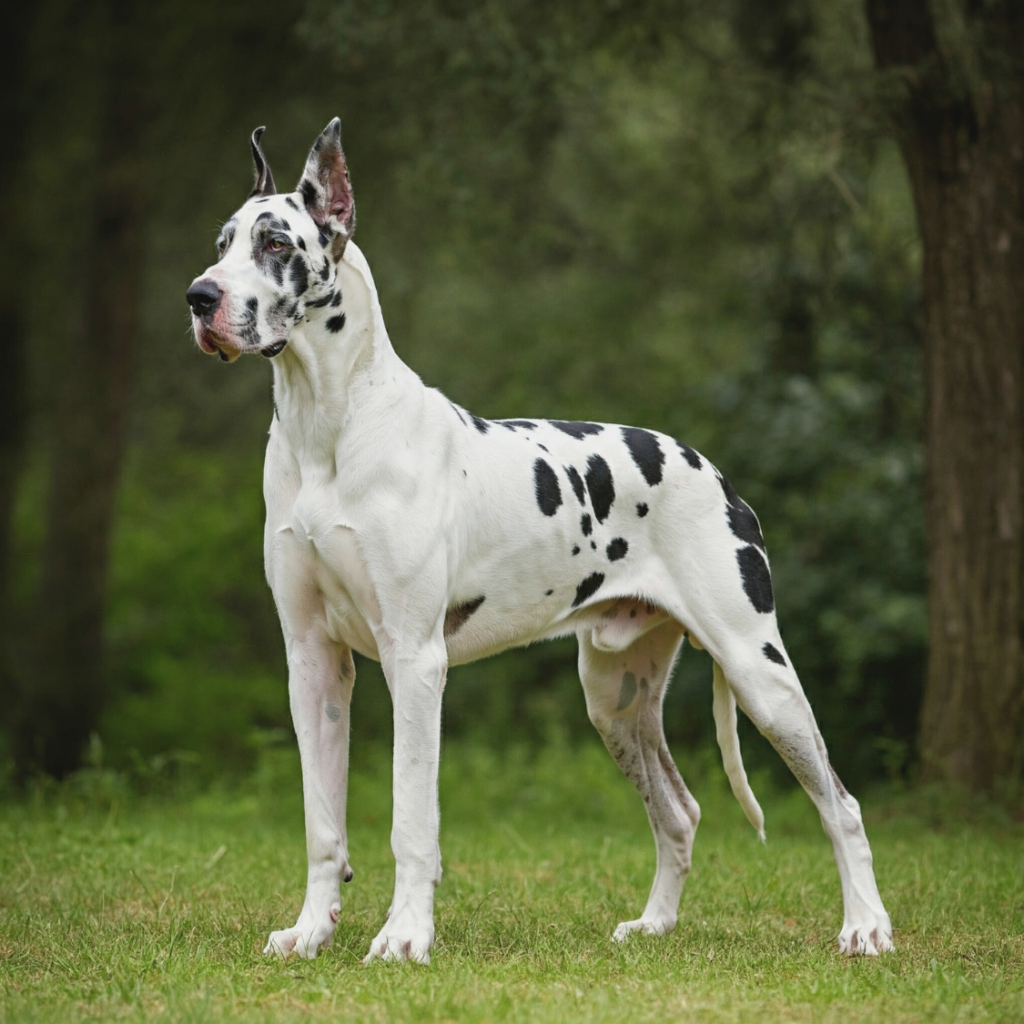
column 278, row 257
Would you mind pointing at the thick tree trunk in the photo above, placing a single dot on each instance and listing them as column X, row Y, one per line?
column 63, row 699
column 961, row 129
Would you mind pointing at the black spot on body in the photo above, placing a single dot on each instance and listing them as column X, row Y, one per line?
column 628, row 691
column 512, row 424
column 577, row 483
column 690, row 455
column 336, row 299
column 335, row 323
column 481, row 424
column 772, row 653
column 545, row 481
column 616, row 549
column 641, row 509
column 548, row 593
column 575, row 549
column 308, row 191
column 588, row 588
column 757, row 580
column 646, row 452
column 323, row 235
column 593, row 545
column 542, row 448
column 291, row 202
column 600, row 486
column 325, row 270
column 319, row 303
column 457, row 412
column 302, row 245
column 265, row 215
column 456, row 617
column 586, row 524
column 577, row 429
column 742, row 520
column 299, row 275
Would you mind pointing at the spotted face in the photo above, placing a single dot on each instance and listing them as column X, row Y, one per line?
column 278, row 259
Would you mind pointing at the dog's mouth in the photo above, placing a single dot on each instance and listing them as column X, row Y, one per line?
column 215, row 343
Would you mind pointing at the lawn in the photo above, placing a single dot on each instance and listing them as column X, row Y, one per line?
column 114, row 906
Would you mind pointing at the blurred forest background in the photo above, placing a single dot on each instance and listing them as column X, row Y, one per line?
column 736, row 222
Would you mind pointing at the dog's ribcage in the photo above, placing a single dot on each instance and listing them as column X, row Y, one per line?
column 546, row 524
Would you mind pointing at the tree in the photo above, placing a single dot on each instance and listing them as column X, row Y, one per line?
column 955, row 76
column 63, row 695
column 114, row 87
column 13, row 380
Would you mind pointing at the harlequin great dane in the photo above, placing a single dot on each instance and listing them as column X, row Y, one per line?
column 403, row 527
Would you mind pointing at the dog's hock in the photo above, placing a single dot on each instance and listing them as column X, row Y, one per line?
column 325, row 186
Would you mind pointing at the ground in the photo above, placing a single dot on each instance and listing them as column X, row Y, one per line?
column 115, row 906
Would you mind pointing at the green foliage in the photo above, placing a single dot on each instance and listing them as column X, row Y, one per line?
column 112, row 907
column 196, row 648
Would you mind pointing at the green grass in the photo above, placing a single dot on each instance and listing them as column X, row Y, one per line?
column 116, row 907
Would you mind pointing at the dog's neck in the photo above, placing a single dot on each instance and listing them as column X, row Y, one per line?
column 322, row 378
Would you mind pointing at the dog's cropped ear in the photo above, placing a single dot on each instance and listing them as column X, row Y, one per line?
column 324, row 185
column 264, row 183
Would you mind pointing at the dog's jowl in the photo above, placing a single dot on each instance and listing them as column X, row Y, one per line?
column 403, row 527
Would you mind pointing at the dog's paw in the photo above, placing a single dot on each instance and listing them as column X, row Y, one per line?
column 866, row 939
column 646, row 926
column 403, row 938
column 306, row 938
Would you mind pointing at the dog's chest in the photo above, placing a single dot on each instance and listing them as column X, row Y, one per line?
column 326, row 579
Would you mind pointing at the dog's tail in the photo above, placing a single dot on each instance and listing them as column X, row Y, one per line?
column 724, row 707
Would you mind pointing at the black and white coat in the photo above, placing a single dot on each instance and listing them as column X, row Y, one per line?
column 403, row 527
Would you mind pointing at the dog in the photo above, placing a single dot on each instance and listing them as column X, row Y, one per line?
column 403, row 527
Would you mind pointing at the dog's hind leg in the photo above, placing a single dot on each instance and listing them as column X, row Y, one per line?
column 321, row 675
column 757, row 670
column 624, row 692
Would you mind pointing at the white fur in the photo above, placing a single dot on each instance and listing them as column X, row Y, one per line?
column 387, row 507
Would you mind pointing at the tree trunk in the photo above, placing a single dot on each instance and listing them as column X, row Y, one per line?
column 65, row 696
column 960, row 119
column 14, row 376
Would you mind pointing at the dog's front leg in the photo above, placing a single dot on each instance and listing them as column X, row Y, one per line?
column 416, row 681
column 320, row 679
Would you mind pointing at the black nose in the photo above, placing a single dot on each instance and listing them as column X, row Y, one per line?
column 204, row 297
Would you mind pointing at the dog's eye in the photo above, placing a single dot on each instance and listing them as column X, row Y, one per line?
column 276, row 245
